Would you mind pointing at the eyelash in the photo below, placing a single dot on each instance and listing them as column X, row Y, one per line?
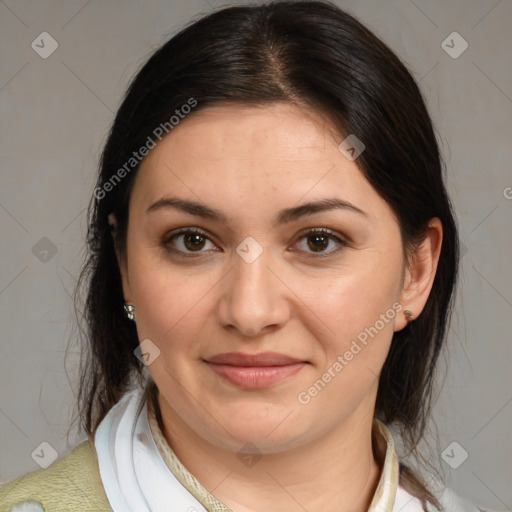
column 193, row 231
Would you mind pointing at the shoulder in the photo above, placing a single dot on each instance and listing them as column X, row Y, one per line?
column 72, row 482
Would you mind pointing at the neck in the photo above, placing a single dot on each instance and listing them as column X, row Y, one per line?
column 336, row 472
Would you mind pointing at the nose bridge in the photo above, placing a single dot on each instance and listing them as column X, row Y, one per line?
column 253, row 296
column 251, row 275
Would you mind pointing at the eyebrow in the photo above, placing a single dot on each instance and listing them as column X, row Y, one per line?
column 284, row 216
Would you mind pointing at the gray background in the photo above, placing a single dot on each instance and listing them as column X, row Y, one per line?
column 55, row 116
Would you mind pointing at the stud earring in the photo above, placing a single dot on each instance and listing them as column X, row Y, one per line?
column 408, row 315
column 129, row 311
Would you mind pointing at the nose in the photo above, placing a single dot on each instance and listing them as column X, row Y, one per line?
column 253, row 300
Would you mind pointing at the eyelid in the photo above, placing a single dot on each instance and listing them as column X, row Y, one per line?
column 180, row 231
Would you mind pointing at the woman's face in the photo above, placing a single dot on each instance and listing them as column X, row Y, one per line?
column 257, row 281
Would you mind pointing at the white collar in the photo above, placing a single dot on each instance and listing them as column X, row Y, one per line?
column 140, row 472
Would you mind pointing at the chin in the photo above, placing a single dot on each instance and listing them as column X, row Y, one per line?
column 259, row 438
column 272, row 431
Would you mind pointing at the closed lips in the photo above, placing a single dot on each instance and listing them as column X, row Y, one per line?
column 253, row 360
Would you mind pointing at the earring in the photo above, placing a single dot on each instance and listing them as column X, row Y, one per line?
column 129, row 311
column 408, row 315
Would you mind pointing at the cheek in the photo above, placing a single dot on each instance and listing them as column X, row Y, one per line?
column 170, row 302
column 360, row 315
column 358, row 306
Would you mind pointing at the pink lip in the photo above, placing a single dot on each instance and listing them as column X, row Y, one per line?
column 254, row 371
column 262, row 359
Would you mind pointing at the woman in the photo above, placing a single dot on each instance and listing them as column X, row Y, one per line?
column 273, row 257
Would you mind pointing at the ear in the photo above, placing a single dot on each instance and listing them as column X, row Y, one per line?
column 420, row 273
column 121, row 261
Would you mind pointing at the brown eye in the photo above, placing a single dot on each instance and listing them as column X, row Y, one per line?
column 186, row 241
column 193, row 241
column 318, row 241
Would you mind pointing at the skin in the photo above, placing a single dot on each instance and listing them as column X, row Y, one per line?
column 251, row 162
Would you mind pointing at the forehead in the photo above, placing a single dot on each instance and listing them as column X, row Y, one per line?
column 229, row 153
column 237, row 131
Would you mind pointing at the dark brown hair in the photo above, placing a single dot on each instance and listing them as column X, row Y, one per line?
column 310, row 54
